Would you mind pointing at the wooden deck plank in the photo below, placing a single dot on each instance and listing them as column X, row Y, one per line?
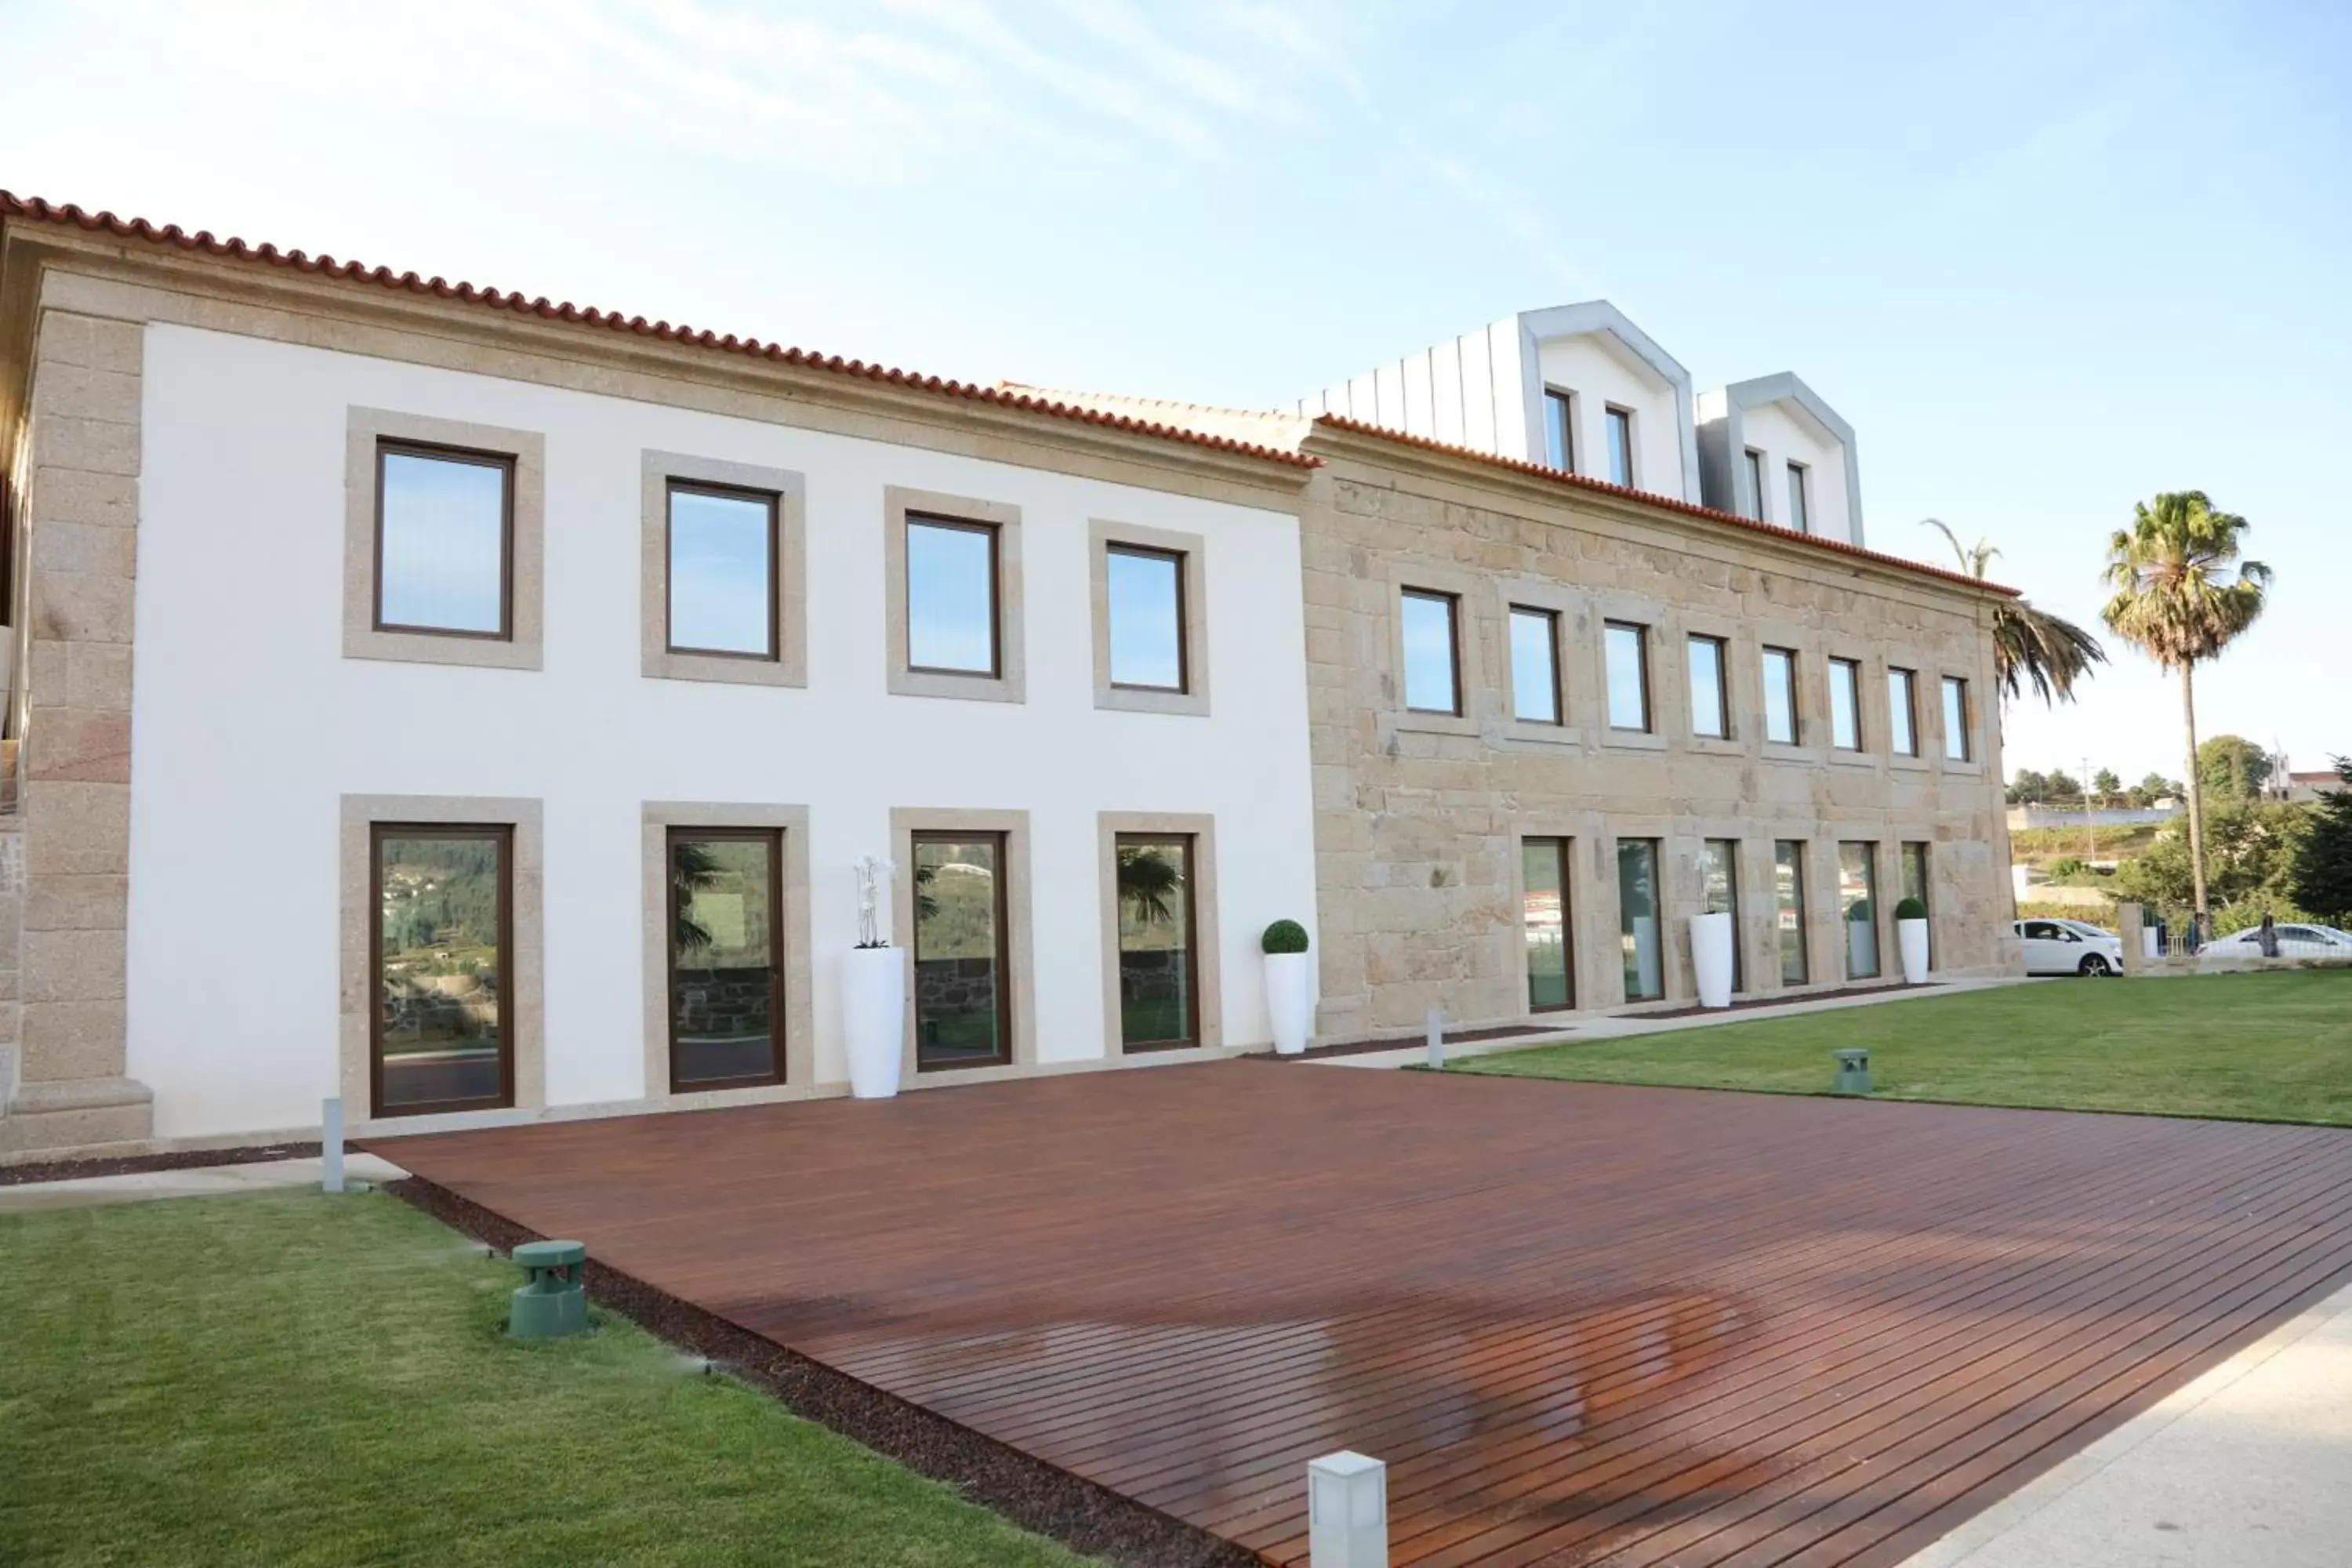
column 1582, row 1322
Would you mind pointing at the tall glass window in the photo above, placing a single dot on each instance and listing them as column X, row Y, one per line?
column 1543, row 873
column 1955, row 719
column 1710, row 703
column 1789, row 907
column 963, row 1015
column 722, row 573
column 444, row 523
column 1781, row 696
column 1901, row 713
column 1147, row 617
column 1858, row 900
column 1718, row 894
column 1621, row 446
column 1433, row 652
column 1535, row 666
column 1638, row 919
column 1158, row 981
column 1800, row 516
column 951, row 596
column 1755, row 507
column 1845, row 705
column 1626, row 649
column 726, row 957
column 444, row 943
column 1559, row 429
column 1914, row 886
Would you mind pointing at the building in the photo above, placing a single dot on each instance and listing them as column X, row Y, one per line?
column 520, row 689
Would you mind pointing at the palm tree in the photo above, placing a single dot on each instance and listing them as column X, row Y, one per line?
column 693, row 868
column 2182, row 596
column 1147, row 881
column 2031, row 645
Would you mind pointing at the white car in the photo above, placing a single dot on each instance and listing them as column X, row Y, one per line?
column 2298, row 940
column 2068, row 947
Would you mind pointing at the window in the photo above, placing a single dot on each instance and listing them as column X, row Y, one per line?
column 1955, row 719
column 1710, row 703
column 1858, row 900
column 1626, row 648
column 1718, row 894
column 1800, row 517
column 1158, row 981
column 444, row 541
column 722, row 551
column 1902, row 714
column 1535, row 666
column 963, row 1012
column 1637, row 920
column 1755, row 507
column 1543, row 877
column 1914, row 886
column 1789, row 907
column 1845, row 705
column 1559, row 429
column 726, row 957
column 1433, row 652
column 1145, row 591
column 1621, row 446
column 442, row 908
column 1781, row 696
column 952, row 598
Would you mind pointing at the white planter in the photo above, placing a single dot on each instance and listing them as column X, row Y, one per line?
column 1711, row 958
column 873, row 1018
column 1290, row 999
column 1862, row 950
column 1649, row 957
column 2150, row 943
column 1911, row 936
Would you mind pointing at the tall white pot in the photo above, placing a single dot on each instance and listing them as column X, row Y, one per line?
column 1711, row 958
column 1911, row 936
column 1290, row 999
column 873, row 1018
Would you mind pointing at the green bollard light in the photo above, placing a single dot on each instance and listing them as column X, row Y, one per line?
column 1853, row 1072
column 552, row 1303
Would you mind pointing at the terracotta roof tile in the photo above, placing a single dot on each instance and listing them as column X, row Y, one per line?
column 66, row 213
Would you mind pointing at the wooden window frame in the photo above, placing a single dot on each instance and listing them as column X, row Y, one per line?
column 1611, row 412
column 1850, row 671
column 774, row 503
column 1909, row 679
column 505, row 463
column 1796, row 693
column 1722, row 645
column 1879, row 924
column 1191, row 846
column 1657, row 848
column 1796, row 862
column 1563, row 848
column 779, row 951
column 1564, row 399
column 1550, row 618
column 1000, row 840
column 1452, row 603
column 1801, row 496
column 1755, row 456
column 1178, row 560
column 1649, row 725
column 510, row 999
column 1738, row 926
column 1957, row 684
column 994, row 534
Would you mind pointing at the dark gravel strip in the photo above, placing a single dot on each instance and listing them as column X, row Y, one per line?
column 128, row 1165
column 1032, row 1494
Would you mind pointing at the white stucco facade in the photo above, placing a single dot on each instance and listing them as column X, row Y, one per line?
column 251, row 725
column 1783, row 422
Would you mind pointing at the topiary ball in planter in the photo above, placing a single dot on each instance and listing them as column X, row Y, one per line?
column 1911, row 909
column 1284, row 936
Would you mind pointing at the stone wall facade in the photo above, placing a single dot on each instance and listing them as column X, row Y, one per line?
column 1420, row 817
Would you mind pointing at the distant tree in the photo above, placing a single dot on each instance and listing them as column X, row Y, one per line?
column 2029, row 646
column 2252, row 850
column 2062, row 786
column 2182, row 594
column 2106, row 786
column 2232, row 768
column 2159, row 788
column 2322, row 878
column 2027, row 786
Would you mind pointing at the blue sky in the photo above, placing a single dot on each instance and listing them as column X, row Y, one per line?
column 2046, row 261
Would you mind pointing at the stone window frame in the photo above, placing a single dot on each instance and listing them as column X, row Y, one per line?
column 1673, row 956
column 1971, row 719
column 1658, row 623
column 656, row 818
column 1468, row 592
column 1572, row 410
column 523, row 646
column 789, row 566
column 1920, row 759
column 1209, row 1032
column 1010, row 683
column 1572, row 612
column 1684, row 851
column 1743, row 682
column 1193, row 621
column 1577, row 829
column 526, row 920
column 1019, row 918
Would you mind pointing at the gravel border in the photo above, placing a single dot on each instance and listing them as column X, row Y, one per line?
column 132, row 1165
column 1036, row 1496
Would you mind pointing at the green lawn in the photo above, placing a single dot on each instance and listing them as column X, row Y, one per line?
column 289, row 1378
column 2274, row 1046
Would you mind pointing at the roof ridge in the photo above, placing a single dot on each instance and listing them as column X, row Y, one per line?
column 69, row 213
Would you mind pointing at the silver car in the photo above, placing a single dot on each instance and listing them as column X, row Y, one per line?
column 2301, row 939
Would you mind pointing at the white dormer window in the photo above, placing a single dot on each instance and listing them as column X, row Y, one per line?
column 1620, row 446
column 1755, row 507
column 1559, row 429
column 1800, row 517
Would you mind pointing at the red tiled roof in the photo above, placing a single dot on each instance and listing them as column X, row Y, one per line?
column 1585, row 481
column 66, row 213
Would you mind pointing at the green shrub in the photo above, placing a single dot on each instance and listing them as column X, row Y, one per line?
column 2069, row 867
column 1861, row 913
column 1284, row 936
column 1911, row 909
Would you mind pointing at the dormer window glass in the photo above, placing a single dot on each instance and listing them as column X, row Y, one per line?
column 1800, row 517
column 1755, row 507
column 1559, row 429
column 1621, row 446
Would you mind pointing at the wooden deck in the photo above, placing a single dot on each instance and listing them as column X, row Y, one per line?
column 1583, row 1324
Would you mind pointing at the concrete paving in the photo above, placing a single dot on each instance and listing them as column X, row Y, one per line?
column 194, row 1182
column 2249, row 1465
